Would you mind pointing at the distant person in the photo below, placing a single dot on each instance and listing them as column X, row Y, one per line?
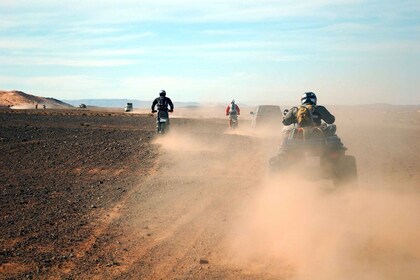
column 43, row 106
column 310, row 114
column 36, row 106
column 233, row 111
column 162, row 103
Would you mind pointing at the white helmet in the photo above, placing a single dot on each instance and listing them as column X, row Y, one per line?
column 308, row 98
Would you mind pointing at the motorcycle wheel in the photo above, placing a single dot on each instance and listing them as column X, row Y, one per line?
column 162, row 128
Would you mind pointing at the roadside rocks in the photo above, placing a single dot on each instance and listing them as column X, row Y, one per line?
column 57, row 176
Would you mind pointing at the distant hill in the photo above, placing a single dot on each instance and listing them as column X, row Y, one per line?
column 120, row 103
column 20, row 100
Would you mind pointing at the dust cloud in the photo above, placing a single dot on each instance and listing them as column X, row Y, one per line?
column 318, row 233
column 289, row 228
column 298, row 229
column 178, row 141
column 26, row 106
column 212, row 151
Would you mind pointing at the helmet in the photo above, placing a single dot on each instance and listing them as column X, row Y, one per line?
column 162, row 93
column 233, row 101
column 308, row 98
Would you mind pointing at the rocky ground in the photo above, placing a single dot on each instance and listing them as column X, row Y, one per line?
column 61, row 172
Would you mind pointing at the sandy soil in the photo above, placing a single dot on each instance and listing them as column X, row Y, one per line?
column 198, row 203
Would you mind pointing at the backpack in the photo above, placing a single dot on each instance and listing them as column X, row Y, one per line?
column 304, row 116
column 162, row 104
column 232, row 109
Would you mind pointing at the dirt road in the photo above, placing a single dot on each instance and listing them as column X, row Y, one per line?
column 205, row 209
column 177, row 220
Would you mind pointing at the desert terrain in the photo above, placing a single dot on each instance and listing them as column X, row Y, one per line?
column 16, row 99
column 91, row 194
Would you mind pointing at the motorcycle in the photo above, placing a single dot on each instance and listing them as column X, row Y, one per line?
column 233, row 120
column 316, row 154
column 162, row 121
column 233, row 123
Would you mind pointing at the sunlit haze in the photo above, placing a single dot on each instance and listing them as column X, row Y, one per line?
column 347, row 51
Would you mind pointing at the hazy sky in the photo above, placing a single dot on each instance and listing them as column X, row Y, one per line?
column 346, row 51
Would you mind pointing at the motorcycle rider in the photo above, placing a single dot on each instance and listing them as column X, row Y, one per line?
column 162, row 102
column 233, row 111
column 318, row 114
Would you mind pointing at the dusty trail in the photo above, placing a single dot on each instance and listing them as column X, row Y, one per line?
column 184, row 212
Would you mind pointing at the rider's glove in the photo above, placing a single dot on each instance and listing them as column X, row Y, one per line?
column 171, row 111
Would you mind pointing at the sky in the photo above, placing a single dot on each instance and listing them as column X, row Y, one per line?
column 271, row 51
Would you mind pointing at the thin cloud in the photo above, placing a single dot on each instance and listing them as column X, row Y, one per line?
column 111, row 12
column 78, row 29
column 16, row 43
column 349, row 27
column 401, row 47
column 116, row 52
column 59, row 61
column 217, row 32
column 55, row 42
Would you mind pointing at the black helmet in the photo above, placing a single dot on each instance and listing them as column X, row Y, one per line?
column 308, row 98
column 162, row 93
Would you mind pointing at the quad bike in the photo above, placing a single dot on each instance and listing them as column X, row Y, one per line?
column 315, row 154
column 162, row 122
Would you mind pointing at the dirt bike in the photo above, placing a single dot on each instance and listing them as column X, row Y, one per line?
column 315, row 155
column 162, row 121
column 233, row 121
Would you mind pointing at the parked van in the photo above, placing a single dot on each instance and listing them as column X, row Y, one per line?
column 128, row 107
column 267, row 115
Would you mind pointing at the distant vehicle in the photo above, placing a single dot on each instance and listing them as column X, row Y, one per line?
column 82, row 106
column 128, row 107
column 266, row 115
